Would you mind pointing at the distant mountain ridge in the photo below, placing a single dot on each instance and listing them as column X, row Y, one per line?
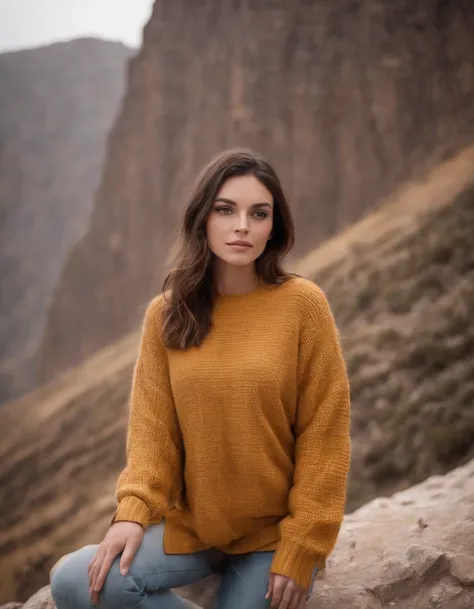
column 57, row 104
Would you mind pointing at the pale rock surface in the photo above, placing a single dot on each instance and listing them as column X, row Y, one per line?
column 414, row 550
column 410, row 551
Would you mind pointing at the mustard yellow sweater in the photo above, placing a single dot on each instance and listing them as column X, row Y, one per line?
column 242, row 443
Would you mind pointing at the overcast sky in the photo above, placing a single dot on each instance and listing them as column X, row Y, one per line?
column 29, row 23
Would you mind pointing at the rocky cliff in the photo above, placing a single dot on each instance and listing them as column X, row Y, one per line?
column 411, row 370
column 57, row 104
column 347, row 99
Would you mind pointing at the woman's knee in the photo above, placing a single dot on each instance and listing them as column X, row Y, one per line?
column 121, row 590
column 70, row 583
column 70, row 579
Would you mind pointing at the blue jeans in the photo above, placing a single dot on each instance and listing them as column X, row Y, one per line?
column 152, row 573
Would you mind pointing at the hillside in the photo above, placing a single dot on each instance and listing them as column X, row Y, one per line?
column 58, row 466
column 57, row 104
column 349, row 100
column 401, row 284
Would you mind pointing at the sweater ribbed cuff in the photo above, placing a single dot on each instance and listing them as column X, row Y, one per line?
column 296, row 561
column 132, row 509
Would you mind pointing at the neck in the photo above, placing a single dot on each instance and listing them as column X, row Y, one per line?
column 230, row 279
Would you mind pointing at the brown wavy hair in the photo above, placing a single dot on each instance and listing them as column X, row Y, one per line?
column 189, row 288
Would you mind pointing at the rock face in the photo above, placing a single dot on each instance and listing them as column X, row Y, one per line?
column 65, row 445
column 413, row 550
column 57, row 104
column 347, row 101
column 408, row 337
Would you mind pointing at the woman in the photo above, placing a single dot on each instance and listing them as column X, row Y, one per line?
column 238, row 442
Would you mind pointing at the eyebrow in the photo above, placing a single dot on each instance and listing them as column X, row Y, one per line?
column 255, row 205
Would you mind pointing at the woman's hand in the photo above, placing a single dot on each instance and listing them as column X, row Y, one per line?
column 123, row 537
column 285, row 593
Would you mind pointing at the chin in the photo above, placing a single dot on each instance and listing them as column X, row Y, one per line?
column 239, row 260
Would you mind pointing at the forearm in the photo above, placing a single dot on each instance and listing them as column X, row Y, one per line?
column 317, row 498
column 152, row 479
column 322, row 450
column 322, row 460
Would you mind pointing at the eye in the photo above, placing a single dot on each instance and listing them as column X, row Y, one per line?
column 223, row 210
column 262, row 214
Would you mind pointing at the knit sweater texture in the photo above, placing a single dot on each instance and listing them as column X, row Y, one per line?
column 243, row 443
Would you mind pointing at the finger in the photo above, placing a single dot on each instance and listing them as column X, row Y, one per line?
column 90, row 570
column 93, row 593
column 303, row 600
column 92, row 577
column 128, row 554
column 271, row 580
column 287, row 595
column 278, row 590
column 95, row 572
column 298, row 594
column 92, row 573
column 109, row 559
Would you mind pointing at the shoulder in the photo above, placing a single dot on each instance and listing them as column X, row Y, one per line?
column 155, row 304
column 154, row 308
column 310, row 306
column 307, row 295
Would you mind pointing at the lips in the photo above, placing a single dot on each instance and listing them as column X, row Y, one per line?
column 241, row 243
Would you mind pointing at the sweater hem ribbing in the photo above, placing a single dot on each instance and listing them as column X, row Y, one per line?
column 132, row 509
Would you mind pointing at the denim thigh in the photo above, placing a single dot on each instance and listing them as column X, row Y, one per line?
column 244, row 583
column 152, row 571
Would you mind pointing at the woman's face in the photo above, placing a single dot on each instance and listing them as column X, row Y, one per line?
column 242, row 212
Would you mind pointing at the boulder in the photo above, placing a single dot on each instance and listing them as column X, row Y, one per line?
column 410, row 551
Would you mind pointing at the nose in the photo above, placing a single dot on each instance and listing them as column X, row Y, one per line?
column 242, row 224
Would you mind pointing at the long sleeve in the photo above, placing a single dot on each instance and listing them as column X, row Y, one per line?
column 322, row 448
column 152, row 479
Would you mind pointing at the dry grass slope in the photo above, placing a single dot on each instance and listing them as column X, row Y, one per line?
column 60, row 453
column 402, row 288
column 404, row 302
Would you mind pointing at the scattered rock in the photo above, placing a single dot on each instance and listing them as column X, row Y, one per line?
column 41, row 600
